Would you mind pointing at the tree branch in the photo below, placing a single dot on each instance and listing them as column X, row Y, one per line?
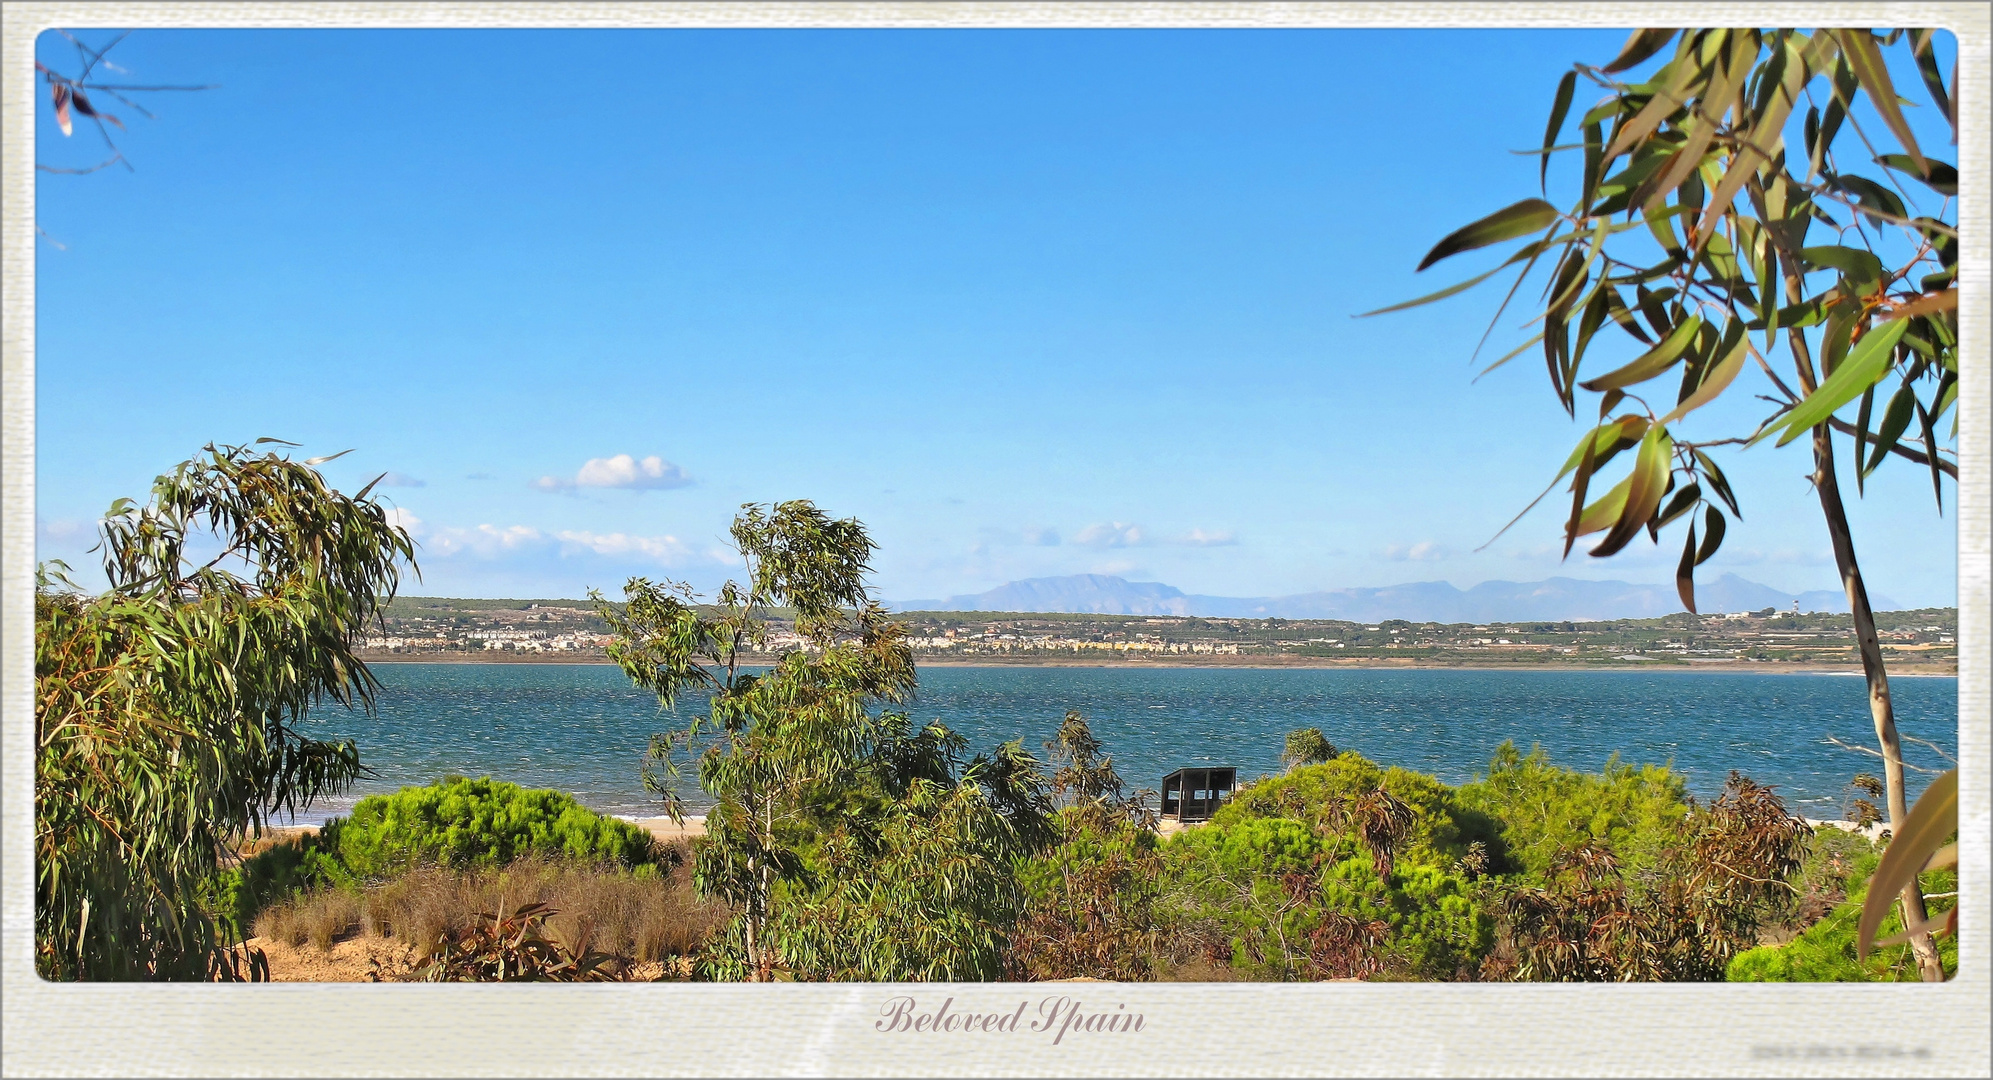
column 1899, row 449
column 1878, row 753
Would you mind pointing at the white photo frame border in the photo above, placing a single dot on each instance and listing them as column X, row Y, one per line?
column 1208, row 1029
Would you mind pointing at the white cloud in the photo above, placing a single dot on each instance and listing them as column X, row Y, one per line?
column 622, row 471
column 1041, row 537
column 1213, row 538
column 668, row 550
column 1117, row 567
column 1423, row 551
column 65, row 530
column 1121, row 534
column 1110, row 535
column 485, row 541
column 489, row 542
column 398, row 479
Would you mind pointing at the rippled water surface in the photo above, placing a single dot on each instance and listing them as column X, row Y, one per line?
column 583, row 728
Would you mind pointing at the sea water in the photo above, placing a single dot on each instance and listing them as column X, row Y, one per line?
column 582, row 728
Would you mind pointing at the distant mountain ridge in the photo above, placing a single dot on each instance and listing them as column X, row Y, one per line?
column 1557, row 598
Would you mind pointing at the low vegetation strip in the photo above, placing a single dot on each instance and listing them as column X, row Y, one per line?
column 1338, row 869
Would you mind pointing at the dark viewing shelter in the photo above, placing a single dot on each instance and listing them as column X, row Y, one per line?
column 1195, row 794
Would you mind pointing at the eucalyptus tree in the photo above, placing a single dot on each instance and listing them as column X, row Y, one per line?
column 1759, row 201
column 1306, row 746
column 828, row 808
column 167, row 708
column 1084, row 775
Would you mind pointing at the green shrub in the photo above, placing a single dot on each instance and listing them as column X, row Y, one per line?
column 473, row 823
column 1298, row 903
column 1443, row 829
column 1546, row 811
column 241, row 892
column 1825, row 951
column 454, row 823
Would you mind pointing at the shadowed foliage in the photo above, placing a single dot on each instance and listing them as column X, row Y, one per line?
column 168, row 708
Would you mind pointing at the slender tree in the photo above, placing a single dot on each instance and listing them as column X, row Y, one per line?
column 167, row 708
column 1084, row 774
column 1757, row 201
column 824, row 801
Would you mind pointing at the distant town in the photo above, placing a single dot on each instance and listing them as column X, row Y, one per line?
column 1919, row 641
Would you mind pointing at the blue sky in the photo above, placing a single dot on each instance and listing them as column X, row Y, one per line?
column 1025, row 302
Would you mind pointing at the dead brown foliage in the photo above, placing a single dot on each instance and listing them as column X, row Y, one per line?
column 637, row 919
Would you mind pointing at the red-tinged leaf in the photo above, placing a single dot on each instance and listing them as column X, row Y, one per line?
column 1712, row 535
column 1519, row 219
column 1640, row 46
column 1924, row 305
column 1645, row 485
column 1685, row 573
column 61, row 95
column 1865, row 59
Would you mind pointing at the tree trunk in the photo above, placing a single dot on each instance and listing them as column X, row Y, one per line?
column 1879, row 706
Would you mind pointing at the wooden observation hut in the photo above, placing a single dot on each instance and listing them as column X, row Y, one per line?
column 1191, row 795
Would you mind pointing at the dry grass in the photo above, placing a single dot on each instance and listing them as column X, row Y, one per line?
column 640, row 919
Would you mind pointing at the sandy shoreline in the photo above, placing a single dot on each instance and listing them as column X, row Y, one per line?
column 1748, row 667
column 667, row 830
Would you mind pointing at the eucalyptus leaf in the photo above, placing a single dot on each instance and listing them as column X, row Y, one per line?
column 1517, row 219
column 1864, row 367
column 1652, row 362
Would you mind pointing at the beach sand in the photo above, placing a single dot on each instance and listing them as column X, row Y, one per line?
column 668, row 830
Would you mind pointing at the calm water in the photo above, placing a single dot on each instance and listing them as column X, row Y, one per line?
column 583, row 728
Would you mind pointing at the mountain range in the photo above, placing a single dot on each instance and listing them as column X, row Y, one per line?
column 1557, row 598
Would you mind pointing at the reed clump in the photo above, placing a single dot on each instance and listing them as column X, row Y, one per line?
column 644, row 915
